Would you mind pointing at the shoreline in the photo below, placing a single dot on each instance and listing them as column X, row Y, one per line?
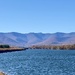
column 12, row 49
column 2, row 73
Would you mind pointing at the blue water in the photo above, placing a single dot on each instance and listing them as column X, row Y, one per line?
column 38, row 62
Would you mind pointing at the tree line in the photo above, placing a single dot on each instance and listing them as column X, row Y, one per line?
column 58, row 47
column 4, row 46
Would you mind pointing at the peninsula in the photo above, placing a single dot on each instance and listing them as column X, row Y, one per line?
column 7, row 48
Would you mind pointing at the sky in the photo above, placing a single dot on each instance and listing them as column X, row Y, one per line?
column 46, row 16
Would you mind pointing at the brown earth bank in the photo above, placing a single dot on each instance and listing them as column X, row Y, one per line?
column 2, row 50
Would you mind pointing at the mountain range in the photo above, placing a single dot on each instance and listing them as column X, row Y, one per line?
column 29, row 39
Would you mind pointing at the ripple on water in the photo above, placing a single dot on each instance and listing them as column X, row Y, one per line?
column 38, row 62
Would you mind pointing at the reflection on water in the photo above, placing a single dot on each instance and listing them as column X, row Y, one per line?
column 38, row 62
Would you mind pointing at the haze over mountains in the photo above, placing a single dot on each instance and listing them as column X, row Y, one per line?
column 28, row 39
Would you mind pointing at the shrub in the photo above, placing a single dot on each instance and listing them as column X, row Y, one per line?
column 4, row 46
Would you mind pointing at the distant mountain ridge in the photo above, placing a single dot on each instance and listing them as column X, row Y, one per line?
column 28, row 39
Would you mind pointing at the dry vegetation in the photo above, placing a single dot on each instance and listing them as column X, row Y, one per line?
column 60, row 47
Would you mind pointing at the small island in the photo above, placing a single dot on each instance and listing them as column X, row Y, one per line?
column 7, row 48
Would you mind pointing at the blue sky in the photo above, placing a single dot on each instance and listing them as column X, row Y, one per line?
column 47, row 16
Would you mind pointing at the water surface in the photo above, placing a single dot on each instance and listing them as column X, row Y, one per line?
column 38, row 62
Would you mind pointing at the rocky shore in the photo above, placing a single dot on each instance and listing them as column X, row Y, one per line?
column 1, row 73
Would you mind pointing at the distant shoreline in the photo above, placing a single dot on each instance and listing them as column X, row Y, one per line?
column 54, row 47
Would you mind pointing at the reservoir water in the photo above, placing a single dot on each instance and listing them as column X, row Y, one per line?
column 38, row 62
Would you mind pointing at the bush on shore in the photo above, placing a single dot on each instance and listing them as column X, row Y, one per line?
column 4, row 46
